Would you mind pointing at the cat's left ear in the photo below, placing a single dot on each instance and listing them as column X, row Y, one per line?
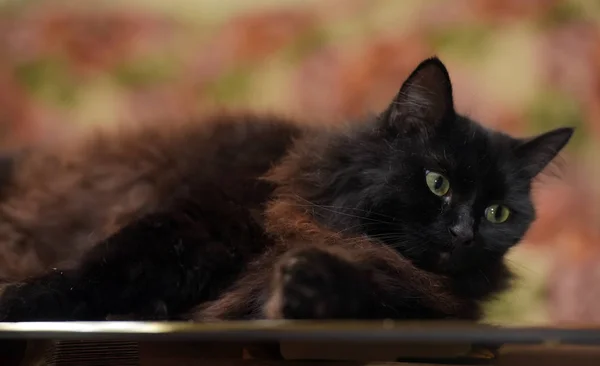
column 537, row 152
column 424, row 100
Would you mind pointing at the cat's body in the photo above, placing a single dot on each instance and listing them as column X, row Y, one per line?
column 399, row 216
column 78, row 194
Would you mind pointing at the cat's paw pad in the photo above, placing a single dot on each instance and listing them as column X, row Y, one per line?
column 316, row 284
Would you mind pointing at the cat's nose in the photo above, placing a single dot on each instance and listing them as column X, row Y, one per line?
column 462, row 234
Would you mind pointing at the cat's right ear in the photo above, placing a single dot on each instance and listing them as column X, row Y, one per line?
column 424, row 100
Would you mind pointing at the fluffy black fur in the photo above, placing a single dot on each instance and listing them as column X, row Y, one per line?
column 326, row 223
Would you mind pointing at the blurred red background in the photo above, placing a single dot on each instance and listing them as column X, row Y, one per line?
column 520, row 66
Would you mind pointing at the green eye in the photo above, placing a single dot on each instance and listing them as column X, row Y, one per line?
column 497, row 214
column 437, row 183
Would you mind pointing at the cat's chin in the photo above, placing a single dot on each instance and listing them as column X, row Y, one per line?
column 444, row 262
column 435, row 262
column 444, row 258
column 438, row 262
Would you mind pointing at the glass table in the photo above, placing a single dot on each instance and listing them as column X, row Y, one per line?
column 294, row 343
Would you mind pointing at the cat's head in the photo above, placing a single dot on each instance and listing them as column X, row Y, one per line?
column 446, row 192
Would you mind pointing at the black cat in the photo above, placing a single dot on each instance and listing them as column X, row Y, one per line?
column 405, row 215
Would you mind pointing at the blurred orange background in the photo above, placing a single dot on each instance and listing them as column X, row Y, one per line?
column 522, row 66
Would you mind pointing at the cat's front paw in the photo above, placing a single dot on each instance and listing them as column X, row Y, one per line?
column 317, row 284
column 25, row 302
column 13, row 306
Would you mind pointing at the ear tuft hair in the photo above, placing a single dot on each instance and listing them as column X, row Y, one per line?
column 537, row 152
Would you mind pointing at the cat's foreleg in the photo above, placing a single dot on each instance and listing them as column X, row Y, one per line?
column 365, row 281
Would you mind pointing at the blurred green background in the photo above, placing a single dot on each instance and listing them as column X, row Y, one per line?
column 520, row 66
